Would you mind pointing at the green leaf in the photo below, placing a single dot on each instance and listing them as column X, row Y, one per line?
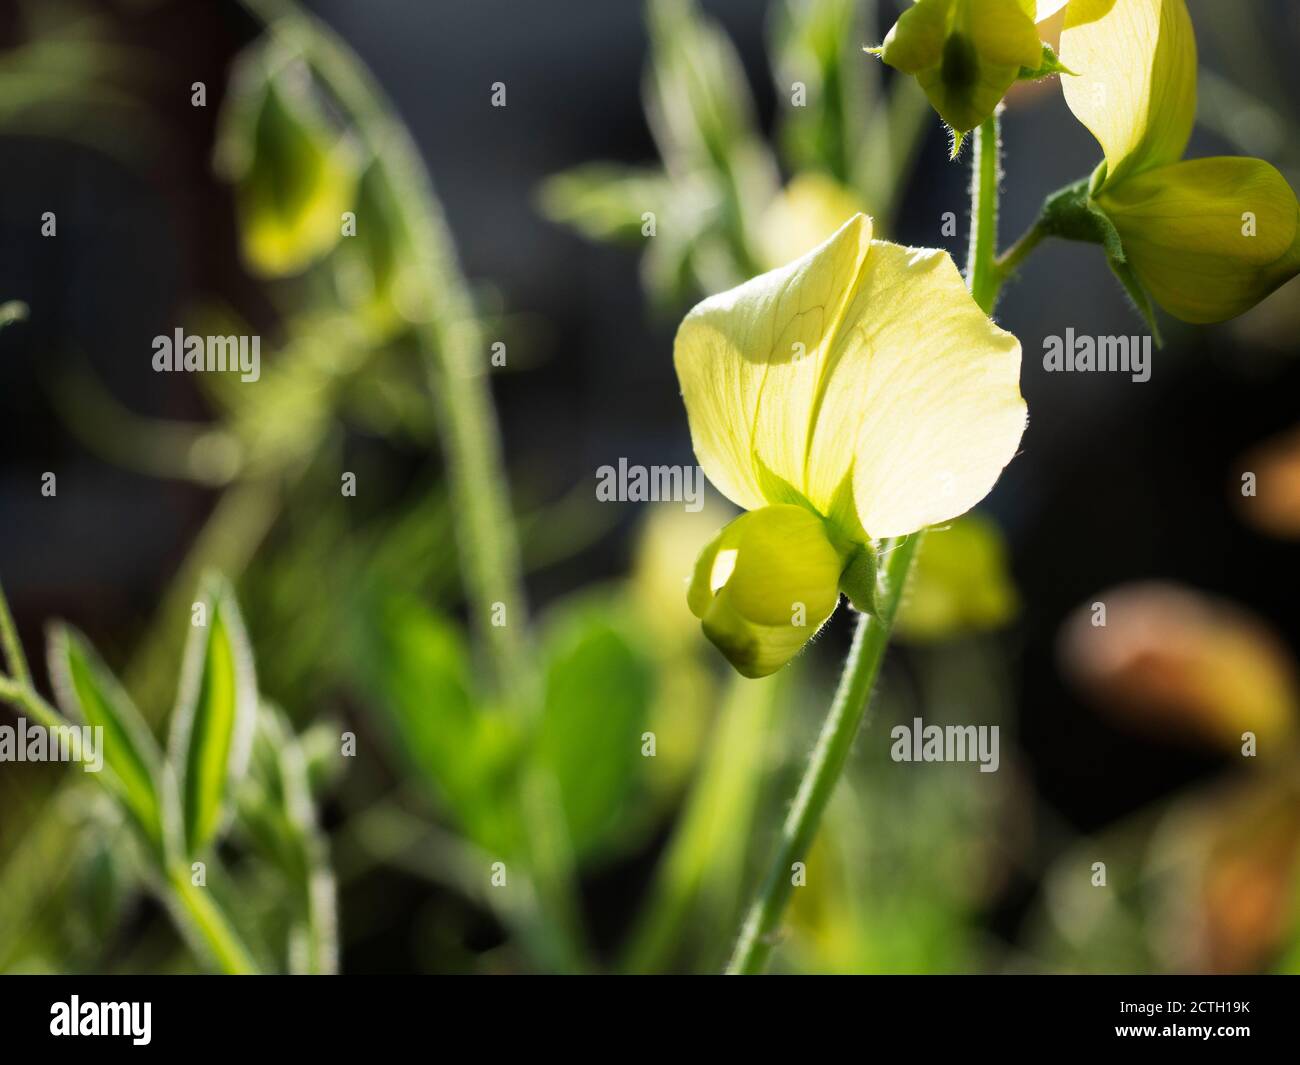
column 88, row 692
column 697, row 96
column 277, row 814
column 416, row 666
column 597, row 698
column 216, row 708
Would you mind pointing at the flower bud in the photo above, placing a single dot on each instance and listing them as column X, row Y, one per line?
column 294, row 176
column 1208, row 238
column 965, row 54
column 765, row 585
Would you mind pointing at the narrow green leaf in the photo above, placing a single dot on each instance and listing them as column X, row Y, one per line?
column 88, row 692
column 605, row 201
column 216, row 710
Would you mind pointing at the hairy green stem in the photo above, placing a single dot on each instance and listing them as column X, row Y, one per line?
column 13, row 650
column 983, row 276
column 758, row 933
column 1009, row 261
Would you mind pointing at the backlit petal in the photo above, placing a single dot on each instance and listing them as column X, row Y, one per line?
column 1135, row 88
column 861, row 379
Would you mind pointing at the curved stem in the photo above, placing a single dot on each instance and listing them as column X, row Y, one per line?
column 451, row 343
column 757, row 935
column 982, row 274
column 1009, row 261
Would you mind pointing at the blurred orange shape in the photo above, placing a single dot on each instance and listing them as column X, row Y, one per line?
column 1185, row 665
column 1269, row 487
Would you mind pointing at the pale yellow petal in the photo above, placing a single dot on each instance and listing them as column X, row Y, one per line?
column 1135, row 83
column 937, row 384
column 861, row 379
column 751, row 360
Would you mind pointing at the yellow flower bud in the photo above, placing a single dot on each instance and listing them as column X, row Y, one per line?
column 1207, row 239
column 294, row 176
column 765, row 585
column 965, row 54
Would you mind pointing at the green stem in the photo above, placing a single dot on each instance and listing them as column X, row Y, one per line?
column 13, row 650
column 205, row 924
column 451, row 343
column 1009, row 261
column 25, row 698
column 757, row 935
column 982, row 274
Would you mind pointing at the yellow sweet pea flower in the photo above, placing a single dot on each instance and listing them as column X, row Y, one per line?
column 965, row 54
column 854, row 394
column 1209, row 238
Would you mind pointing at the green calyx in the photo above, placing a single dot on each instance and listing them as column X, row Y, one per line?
column 1072, row 213
column 769, row 580
column 966, row 54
